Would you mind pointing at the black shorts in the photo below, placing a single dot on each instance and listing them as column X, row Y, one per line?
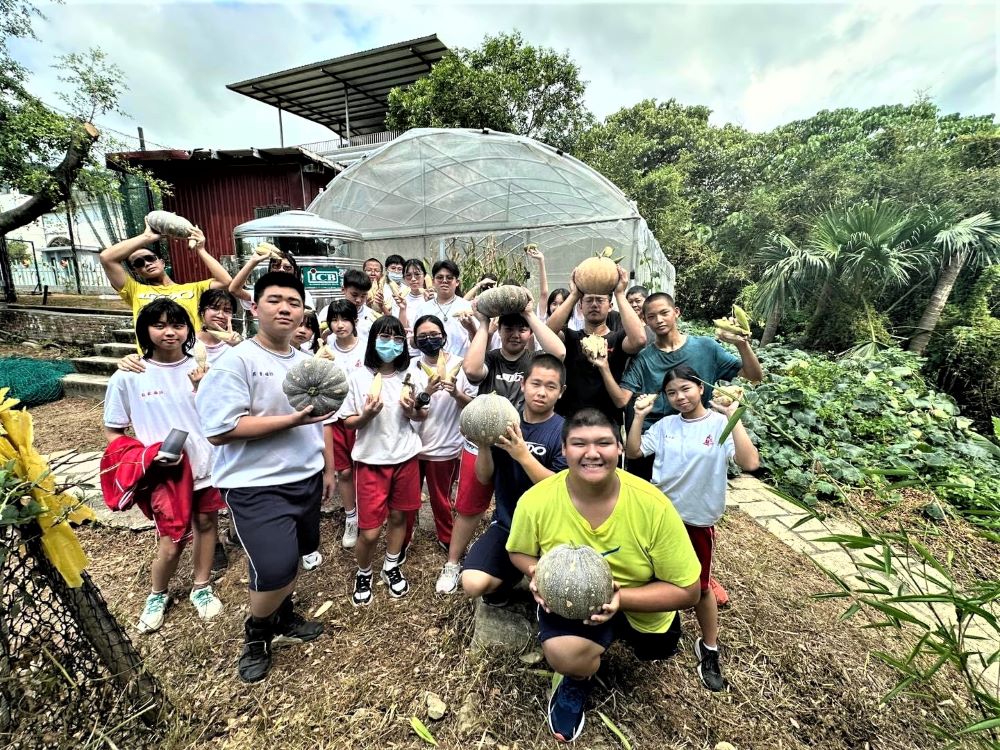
column 276, row 526
column 645, row 646
column 489, row 555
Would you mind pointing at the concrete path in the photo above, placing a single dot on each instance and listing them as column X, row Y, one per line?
column 795, row 528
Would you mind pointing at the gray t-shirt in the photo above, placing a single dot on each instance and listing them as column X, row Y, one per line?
column 246, row 380
column 690, row 465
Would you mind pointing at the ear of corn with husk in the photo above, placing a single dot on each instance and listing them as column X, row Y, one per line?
column 442, row 365
column 230, row 337
column 406, row 392
column 645, row 400
column 376, row 389
column 200, row 354
column 740, row 328
column 594, row 346
column 726, row 396
column 169, row 224
column 268, row 250
column 325, row 352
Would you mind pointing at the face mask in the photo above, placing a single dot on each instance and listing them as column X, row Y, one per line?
column 396, row 277
column 388, row 350
column 431, row 347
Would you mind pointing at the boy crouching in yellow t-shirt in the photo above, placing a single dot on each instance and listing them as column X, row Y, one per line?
column 633, row 525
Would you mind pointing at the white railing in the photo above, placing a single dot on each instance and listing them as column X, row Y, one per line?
column 93, row 280
column 369, row 139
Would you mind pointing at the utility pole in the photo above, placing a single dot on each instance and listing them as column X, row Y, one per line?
column 72, row 244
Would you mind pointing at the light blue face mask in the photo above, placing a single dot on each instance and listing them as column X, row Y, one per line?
column 388, row 350
column 396, row 276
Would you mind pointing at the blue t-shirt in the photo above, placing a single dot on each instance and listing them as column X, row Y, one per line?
column 703, row 354
column 510, row 481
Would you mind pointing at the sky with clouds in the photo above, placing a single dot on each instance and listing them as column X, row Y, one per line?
column 755, row 64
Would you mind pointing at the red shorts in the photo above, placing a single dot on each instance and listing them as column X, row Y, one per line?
column 343, row 444
column 703, row 541
column 384, row 488
column 472, row 497
column 208, row 500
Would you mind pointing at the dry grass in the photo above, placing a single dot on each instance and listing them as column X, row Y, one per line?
column 83, row 301
column 69, row 424
column 799, row 678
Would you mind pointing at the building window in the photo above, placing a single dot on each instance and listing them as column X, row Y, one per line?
column 261, row 211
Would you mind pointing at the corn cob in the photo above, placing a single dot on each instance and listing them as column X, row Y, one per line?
column 325, row 352
column 645, row 400
column 200, row 354
column 406, row 392
column 452, row 373
column 442, row 365
column 376, row 390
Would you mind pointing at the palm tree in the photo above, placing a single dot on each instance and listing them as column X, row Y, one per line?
column 854, row 253
column 972, row 241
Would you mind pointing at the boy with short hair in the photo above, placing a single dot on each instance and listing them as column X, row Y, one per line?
column 528, row 454
column 270, row 465
column 356, row 285
column 636, row 529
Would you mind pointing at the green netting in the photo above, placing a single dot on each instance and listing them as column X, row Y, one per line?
column 33, row 381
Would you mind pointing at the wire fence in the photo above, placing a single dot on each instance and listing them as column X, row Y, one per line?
column 69, row 674
column 61, row 277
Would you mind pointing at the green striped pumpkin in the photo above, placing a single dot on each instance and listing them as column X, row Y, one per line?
column 316, row 382
column 487, row 417
column 575, row 582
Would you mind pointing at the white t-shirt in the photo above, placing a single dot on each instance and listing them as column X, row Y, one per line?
column 690, row 465
column 156, row 401
column 390, row 437
column 348, row 359
column 458, row 337
column 214, row 351
column 439, row 433
column 246, row 380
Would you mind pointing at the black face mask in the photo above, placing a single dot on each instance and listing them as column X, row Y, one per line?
column 431, row 346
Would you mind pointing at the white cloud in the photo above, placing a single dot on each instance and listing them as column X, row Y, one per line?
column 758, row 65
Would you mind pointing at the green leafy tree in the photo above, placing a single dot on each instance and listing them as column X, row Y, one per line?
column 505, row 85
column 45, row 153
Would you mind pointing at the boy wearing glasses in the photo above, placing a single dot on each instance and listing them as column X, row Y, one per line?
column 151, row 279
column 449, row 308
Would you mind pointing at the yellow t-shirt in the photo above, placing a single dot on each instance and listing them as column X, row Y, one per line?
column 643, row 539
column 186, row 295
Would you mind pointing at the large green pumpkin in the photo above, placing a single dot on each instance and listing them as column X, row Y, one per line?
column 503, row 300
column 575, row 582
column 316, row 382
column 487, row 417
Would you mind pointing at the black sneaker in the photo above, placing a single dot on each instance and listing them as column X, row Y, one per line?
column 498, row 598
column 294, row 628
column 362, row 590
column 402, row 554
column 220, row 560
column 709, row 669
column 566, row 708
column 255, row 659
column 398, row 586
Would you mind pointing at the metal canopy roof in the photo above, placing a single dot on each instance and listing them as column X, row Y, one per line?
column 349, row 92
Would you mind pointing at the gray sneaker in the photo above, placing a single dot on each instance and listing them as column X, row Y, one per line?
column 709, row 669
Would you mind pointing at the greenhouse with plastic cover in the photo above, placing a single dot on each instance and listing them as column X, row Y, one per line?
column 448, row 193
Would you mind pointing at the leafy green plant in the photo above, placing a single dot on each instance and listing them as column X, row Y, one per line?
column 478, row 256
column 823, row 424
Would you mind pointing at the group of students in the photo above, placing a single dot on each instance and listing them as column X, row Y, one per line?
column 557, row 477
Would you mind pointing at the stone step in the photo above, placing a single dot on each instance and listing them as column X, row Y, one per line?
column 124, row 335
column 116, row 349
column 96, row 365
column 83, row 385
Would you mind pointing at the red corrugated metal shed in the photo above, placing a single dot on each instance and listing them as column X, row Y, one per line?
column 218, row 190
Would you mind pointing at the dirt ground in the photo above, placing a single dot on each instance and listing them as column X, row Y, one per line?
column 69, row 424
column 798, row 676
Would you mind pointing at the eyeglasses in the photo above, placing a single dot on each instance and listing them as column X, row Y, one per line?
column 385, row 338
column 143, row 260
column 429, row 339
column 439, row 277
column 284, row 268
column 414, row 275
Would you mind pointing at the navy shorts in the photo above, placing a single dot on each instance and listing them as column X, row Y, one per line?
column 645, row 646
column 276, row 526
column 489, row 555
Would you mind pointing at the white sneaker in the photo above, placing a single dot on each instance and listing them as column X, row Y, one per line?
column 447, row 582
column 151, row 618
column 206, row 602
column 350, row 534
column 312, row 561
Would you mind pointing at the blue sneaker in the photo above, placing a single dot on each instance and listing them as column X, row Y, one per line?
column 566, row 708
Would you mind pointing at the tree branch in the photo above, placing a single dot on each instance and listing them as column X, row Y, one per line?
column 58, row 183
